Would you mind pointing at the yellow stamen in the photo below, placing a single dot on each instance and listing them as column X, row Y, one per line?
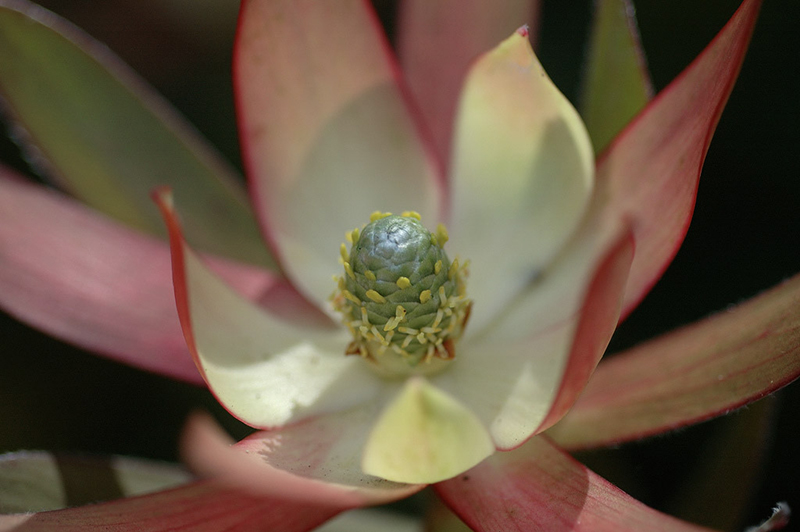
column 441, row 234
column 437, row 267
column 451, row 273
column 377, row 215
column 349, row 271
column 404, row 282
column 369, row 275
column 425, row 296
column 343, row 252
column 375, row 296
column 411, row 214
column 349, row 295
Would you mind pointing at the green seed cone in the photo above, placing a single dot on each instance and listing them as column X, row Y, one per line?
column 399, row 276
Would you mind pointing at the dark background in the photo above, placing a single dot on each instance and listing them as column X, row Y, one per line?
column 743, row 239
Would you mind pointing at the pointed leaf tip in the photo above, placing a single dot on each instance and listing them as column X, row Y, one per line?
column 425, row 436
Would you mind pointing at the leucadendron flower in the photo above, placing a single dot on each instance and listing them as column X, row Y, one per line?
column 430, row 393
column 447, row 280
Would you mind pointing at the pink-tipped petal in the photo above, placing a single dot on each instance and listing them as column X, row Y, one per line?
column 616, row 83
column 437, row 42
column 528, row 369
column 326, row 133
column 89, row 122
column 317, row 460
column 264, row 370
column 204, row 506
column 692, row 374
column 651, row 170
column 88, row 280
column 538, row 487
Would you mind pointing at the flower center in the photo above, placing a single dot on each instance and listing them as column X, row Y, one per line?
column 400, row 296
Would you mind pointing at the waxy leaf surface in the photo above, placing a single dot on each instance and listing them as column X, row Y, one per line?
column 692, row 374
column 92, row 125
column 538, row 487
column 616, row 84
column 650, row 171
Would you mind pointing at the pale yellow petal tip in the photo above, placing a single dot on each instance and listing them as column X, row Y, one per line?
column 517, row 48
column 425, row 436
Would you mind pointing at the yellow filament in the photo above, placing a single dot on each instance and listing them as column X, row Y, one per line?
column 439, row 318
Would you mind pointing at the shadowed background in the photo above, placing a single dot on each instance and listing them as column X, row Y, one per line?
column 743, row 239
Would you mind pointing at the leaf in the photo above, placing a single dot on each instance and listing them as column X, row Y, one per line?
column 70, row 271
column 650, row 172
column 39, row 481
column 437, row 42
column 265, row 370
column 315, row 461
column 538, row 487
column 424, row 436
column 203, row 506
column 616, row 84
column 96, row 128
column 327, row 136
column 522, row 175
column 697, row 372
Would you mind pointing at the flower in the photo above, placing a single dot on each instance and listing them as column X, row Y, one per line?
column 580, row 262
